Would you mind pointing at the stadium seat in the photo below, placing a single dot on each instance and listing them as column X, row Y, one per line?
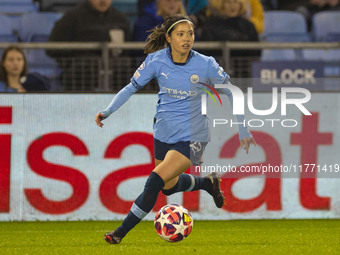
column 321, row 55
column 333, row 37
column 17, row 7
column 125, row 6
column 6, row 30
column 288, row 37
column 284, row 22
column 42, row 63
column 36, row 27
column 325, row 26
column 16, row 1
column 39, row 62
column 284, row 26
column 276, row 55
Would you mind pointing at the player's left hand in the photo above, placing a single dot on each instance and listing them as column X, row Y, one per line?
column 246, row 142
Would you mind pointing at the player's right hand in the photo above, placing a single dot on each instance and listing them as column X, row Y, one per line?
column 99, row 118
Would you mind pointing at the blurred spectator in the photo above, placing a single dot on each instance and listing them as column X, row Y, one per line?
column 14, row 76
column 334, row 4
column 256, row 15
column 315, row 6
column 231, row 24
column 154, row 14
column 200, row 18
column 269, row 5
column 90, row 21
column 141, row 4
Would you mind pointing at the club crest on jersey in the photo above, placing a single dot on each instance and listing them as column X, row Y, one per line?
column 142, row 66
column 194, row 78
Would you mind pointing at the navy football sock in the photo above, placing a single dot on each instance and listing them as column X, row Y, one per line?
column 143, row 204
column 188, row 182
column 201, row 183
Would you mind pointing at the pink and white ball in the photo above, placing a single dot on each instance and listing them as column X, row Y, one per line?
column 173, row 223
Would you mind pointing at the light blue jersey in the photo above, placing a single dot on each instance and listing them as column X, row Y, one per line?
column 178, row 115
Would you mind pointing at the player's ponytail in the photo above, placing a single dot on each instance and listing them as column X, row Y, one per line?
column 156, row 40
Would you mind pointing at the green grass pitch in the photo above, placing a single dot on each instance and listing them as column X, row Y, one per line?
column 207, row 237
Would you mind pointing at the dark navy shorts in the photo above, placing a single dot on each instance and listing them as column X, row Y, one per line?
column 192, row 150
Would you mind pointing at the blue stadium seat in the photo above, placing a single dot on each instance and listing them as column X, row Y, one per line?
column 333, row 37
column 39, row 62
column 125, row 6
column 288, row 37
column 14, row 7
column 325, row 26
column 36, row 27
column 15, row 20
column 284, row 26
column 321, row 55
column 6, row 30
column 276, row 55
column 284, row 22
column 16, row 1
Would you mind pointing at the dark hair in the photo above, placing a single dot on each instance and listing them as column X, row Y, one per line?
column 3, row 72
column 156, row 40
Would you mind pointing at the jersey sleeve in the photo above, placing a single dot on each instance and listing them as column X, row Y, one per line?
column 122, row 96
column 216, row 74
column 243, row 128
column 144, row 73
column 141, row 77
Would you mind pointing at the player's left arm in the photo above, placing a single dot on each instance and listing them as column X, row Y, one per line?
column 217, row 75
column 246, row 138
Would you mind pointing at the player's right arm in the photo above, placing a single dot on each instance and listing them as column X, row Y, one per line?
column 140, row 78
column 122, row 96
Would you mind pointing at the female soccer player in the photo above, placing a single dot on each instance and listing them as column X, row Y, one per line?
column 178, row 144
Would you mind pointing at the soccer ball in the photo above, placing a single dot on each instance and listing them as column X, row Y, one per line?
column 173, row 223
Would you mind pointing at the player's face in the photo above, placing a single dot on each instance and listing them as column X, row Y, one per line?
column 181, row 39
column 101, row 5
column 14, row 63
column 169, row 7
column 232, row 8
